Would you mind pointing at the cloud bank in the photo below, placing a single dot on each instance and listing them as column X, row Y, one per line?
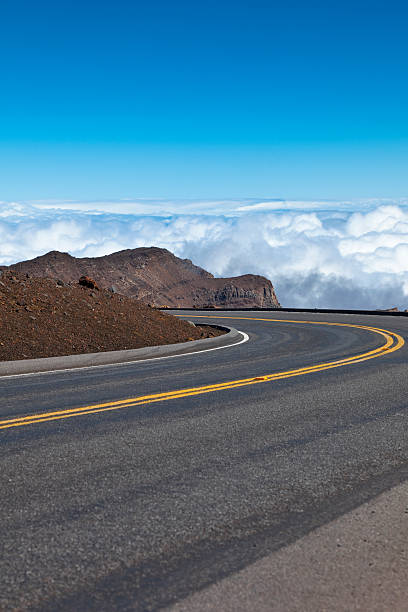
column 317, row 254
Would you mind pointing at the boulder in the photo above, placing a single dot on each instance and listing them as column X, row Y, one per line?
column 86, row 281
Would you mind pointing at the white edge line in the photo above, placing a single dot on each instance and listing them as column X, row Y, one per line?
column 122, row 363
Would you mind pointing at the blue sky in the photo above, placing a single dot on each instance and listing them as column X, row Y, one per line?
column 215, row 99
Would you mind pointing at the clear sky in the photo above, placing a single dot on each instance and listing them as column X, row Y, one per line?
column 203, row 99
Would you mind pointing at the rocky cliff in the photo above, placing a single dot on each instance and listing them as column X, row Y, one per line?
column 155, row 276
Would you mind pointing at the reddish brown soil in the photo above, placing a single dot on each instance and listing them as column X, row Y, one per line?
column 46, row 318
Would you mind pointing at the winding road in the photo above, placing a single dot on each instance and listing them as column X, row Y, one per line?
column 248, row 478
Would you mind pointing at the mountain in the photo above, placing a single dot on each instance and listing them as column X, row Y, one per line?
column 155, row 276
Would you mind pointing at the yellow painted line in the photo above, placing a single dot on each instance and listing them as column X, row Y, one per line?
column 392, row 343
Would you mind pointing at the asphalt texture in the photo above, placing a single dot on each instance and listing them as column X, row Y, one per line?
column 141, row 507
column 358, row 562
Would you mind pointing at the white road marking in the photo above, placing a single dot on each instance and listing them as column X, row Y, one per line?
column 110, row 365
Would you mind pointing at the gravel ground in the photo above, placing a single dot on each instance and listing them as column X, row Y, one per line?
column 48, row 318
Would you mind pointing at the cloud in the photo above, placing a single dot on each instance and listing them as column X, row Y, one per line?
column 317, row 254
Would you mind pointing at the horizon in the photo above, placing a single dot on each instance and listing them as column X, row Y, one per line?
column 210, row 107
column 316, row 254
column 230, row 438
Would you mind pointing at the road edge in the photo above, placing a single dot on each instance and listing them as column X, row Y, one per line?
column 106, row 358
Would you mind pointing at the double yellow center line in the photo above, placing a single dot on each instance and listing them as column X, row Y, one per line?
column 392, row 343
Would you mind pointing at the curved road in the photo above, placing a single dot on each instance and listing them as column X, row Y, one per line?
column 136, row 503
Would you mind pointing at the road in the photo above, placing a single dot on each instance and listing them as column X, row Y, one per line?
column 140, row 504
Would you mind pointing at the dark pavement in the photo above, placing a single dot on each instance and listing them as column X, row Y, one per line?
column 138, row 508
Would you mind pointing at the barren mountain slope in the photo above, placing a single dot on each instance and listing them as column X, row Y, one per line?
column 156, row 276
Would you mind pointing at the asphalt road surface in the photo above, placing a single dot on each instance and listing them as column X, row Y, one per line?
column 114, row 497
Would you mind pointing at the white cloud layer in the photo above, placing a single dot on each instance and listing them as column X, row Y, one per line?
column 317, row 254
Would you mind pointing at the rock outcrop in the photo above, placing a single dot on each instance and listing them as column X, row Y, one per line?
column 157, row 277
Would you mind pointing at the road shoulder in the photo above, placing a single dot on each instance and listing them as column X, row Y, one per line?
column 357, row 562
column 49, row 364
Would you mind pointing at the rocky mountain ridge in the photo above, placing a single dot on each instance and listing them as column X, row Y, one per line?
column 155, row 276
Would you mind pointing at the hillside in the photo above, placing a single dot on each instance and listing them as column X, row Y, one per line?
column 155, row 276
column 46, row 318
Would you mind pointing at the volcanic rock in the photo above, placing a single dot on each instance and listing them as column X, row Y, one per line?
column 157, row 277
column 86, row 281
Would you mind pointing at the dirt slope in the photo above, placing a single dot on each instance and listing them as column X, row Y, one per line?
column 43, row 318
